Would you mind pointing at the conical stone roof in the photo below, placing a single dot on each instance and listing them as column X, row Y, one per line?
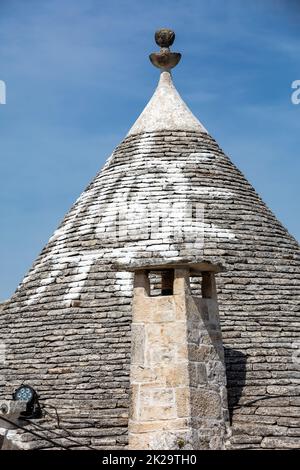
column 168, row 193
column 166, row 111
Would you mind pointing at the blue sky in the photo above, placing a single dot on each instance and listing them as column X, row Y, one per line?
column 78, row 75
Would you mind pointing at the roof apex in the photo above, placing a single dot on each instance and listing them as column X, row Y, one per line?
column 166, row 111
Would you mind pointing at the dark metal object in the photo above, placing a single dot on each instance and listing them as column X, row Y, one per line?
column 28, row 395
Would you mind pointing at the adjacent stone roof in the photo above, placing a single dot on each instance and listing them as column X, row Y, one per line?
column 67, row 327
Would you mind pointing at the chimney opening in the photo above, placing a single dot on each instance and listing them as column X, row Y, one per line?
column 207, row 285
column 161, row 282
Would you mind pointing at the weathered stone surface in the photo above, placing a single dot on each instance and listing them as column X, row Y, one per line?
column 166, row 111
column 138, row 343
column 183, row 402
column 280, row 443
column 205, row 403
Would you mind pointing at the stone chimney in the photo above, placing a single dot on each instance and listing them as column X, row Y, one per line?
column 178, row 379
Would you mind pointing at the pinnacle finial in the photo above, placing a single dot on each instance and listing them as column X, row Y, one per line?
column 164, row 37
column 165, row 59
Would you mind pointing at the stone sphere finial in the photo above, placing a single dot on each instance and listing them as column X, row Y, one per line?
column 165, row 59
column 164, row 37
